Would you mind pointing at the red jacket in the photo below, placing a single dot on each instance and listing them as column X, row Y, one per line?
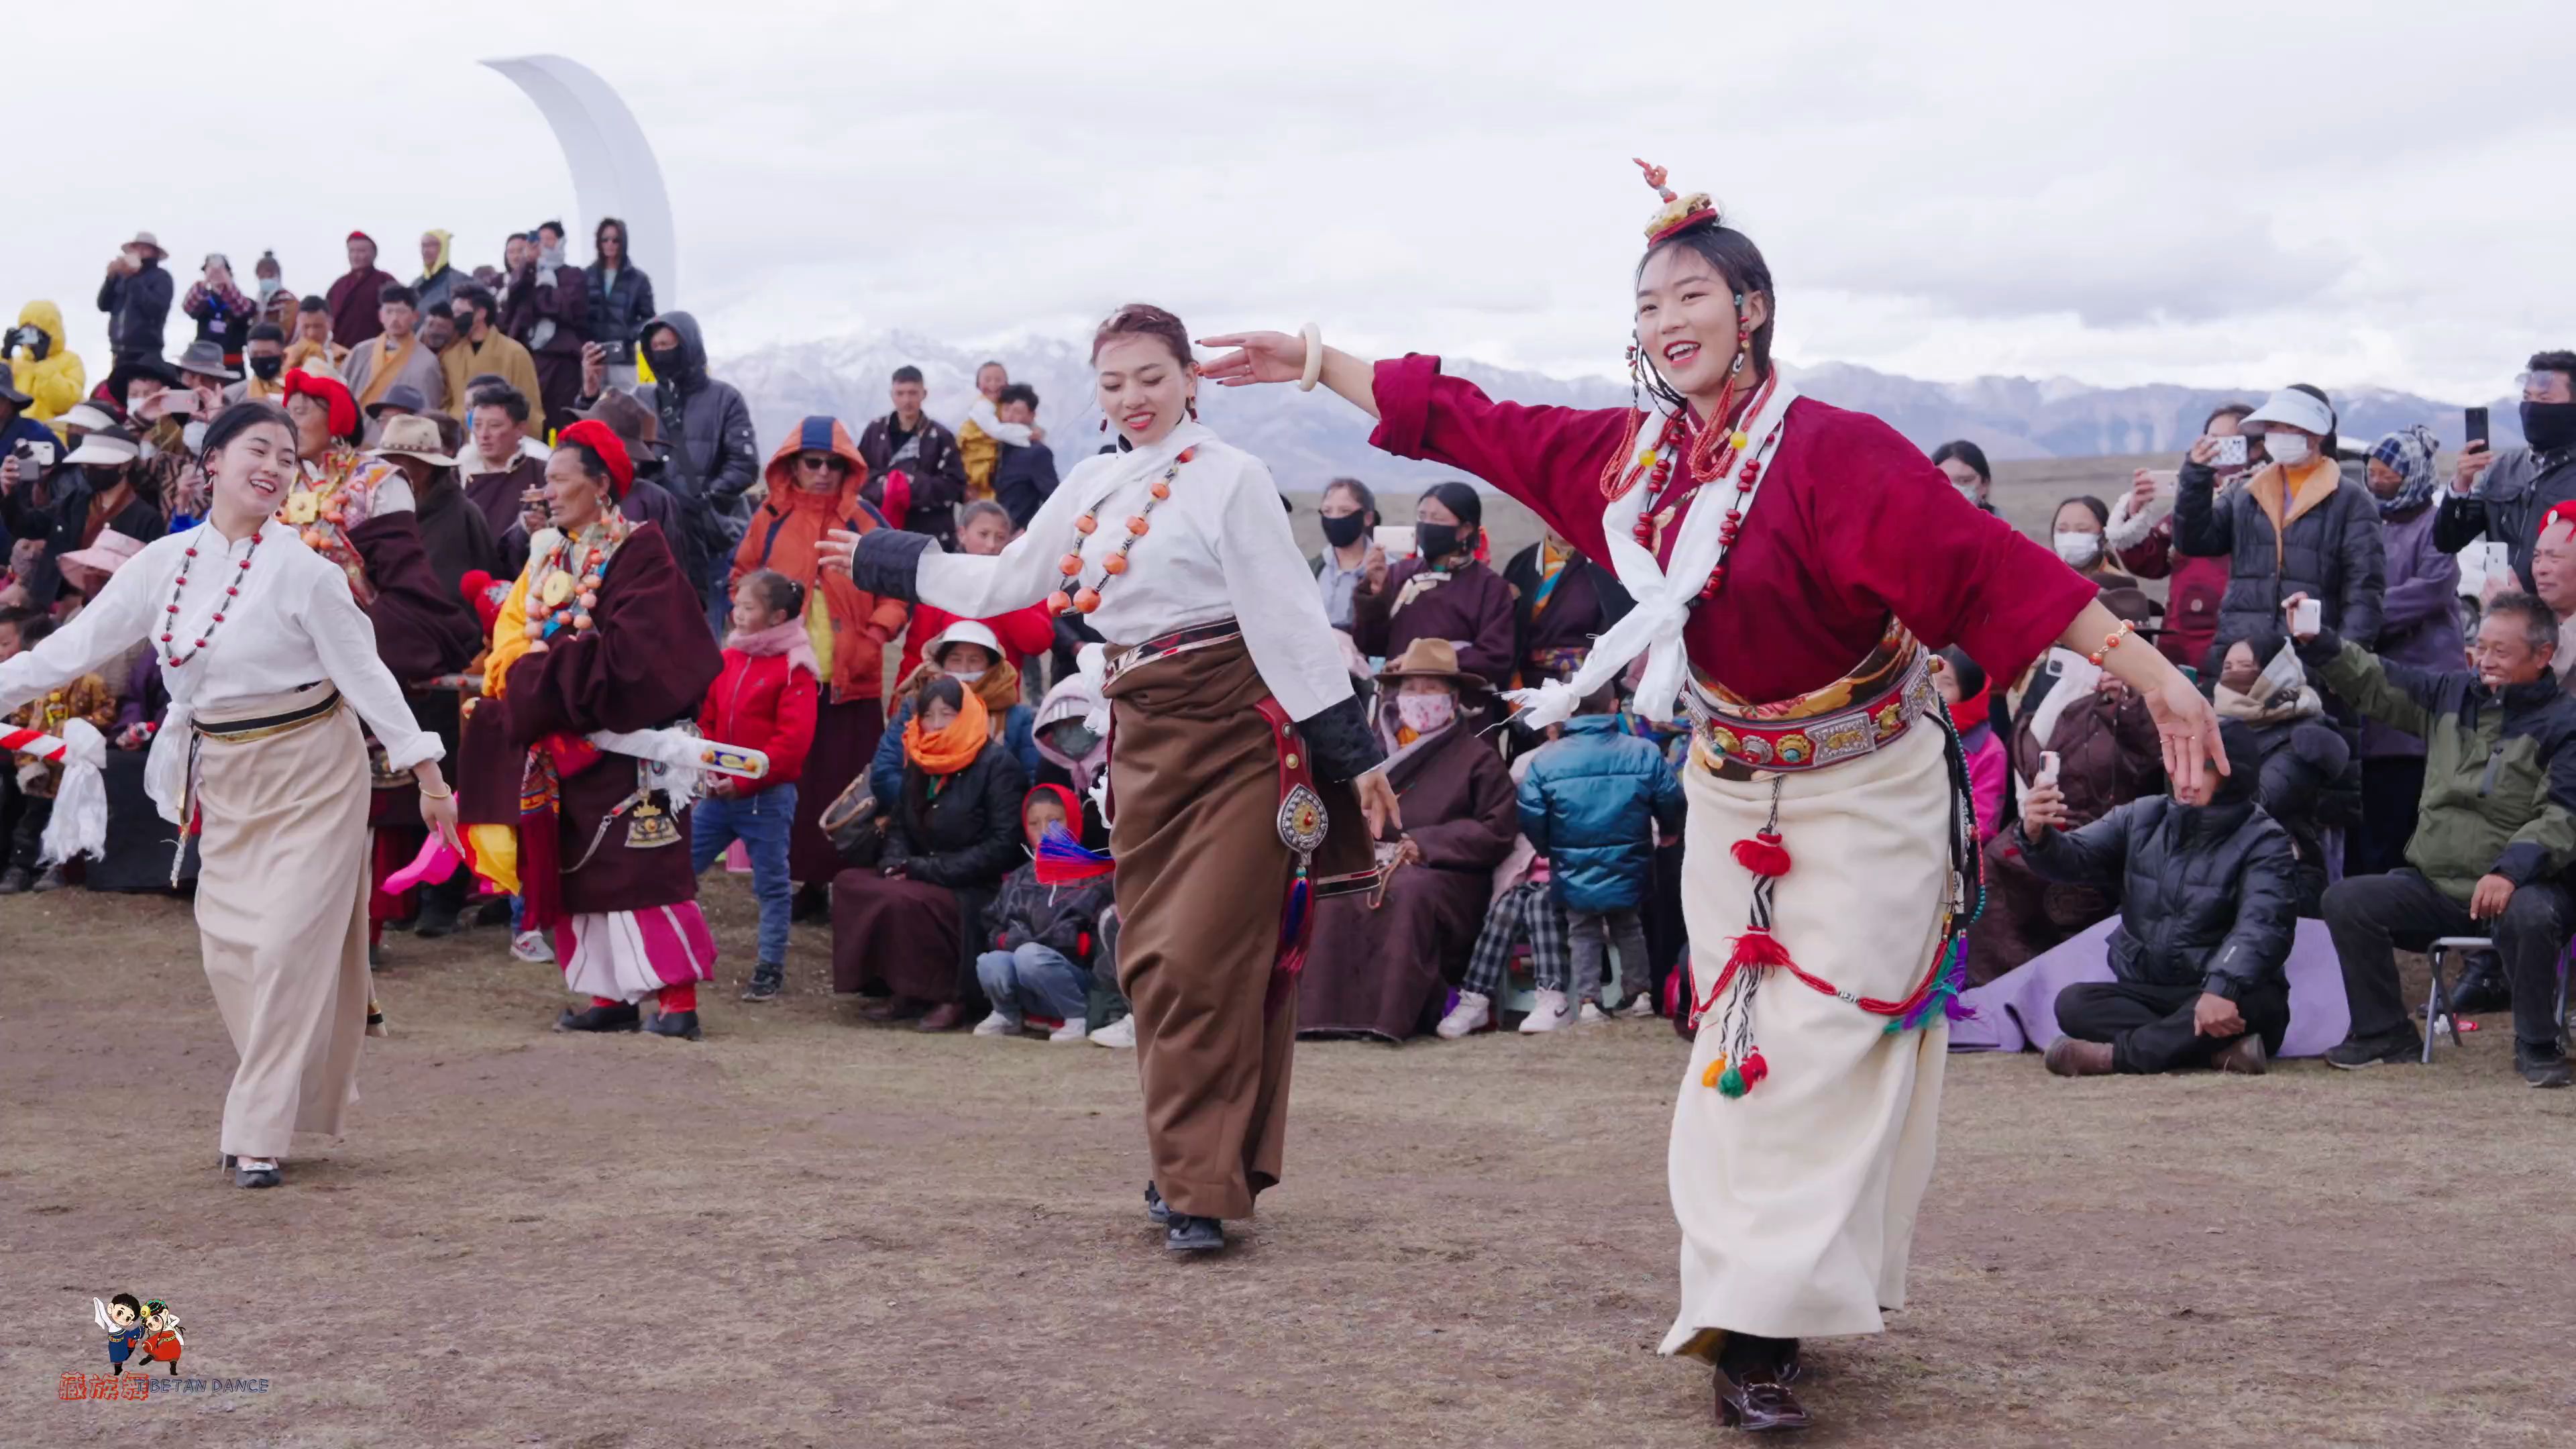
column 763, row 703
column 1023, row 632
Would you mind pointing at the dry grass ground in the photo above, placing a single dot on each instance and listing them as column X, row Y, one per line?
column 809, row 1231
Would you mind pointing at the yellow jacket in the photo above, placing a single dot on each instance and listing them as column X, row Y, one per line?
column 55, row 383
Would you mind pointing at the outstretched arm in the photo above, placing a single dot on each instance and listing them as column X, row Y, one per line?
column 1281, row 357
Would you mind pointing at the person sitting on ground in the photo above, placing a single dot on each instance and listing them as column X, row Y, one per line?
column 2297, row 525
column 764, row 700
column 2081, row 533
column 1024, row 475
column 965, row 650
column 906, row 931
column 1444, row 592
column 2206, row 895
column 1039, row 936
column 983, row 528
column 28, row 785
column 2105, row 743
column 1379, row 964
column 2494, row 835
column 1961, row 682
column 1073, row 754
column 1524, row 909
column 2302, row 766
column 1591, row 803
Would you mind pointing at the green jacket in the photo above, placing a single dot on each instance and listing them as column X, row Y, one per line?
column 2499, row 765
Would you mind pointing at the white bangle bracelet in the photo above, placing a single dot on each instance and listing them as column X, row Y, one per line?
column 1314, row 372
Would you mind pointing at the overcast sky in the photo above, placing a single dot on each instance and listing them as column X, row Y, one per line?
column 2219, row 194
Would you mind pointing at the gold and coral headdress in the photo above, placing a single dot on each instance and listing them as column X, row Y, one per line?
column 1678, row 213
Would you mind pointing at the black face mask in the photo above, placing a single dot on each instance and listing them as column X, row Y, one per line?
column 1436, row 540
column 666, row 362
column 266, row 369
column 1343, row 530
column 2547, row 426
column 1073, row 740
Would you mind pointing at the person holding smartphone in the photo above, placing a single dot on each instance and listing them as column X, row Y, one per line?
column 2501, row 494
column 2142, row 528
column 2297, row 526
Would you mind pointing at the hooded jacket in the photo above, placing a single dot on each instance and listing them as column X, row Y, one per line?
column 137, row 307
column 439, row 283
column 57, row 381
column 1588, row 803
column 713, row 454
column 2499, row 765
column 850, row 627
column 1059, row 918
column 2322, row 540
column 2207, row 894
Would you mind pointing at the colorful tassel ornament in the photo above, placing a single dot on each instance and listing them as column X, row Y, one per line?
column 1732, row 1084
column 1763, row 855
column 1063, row 860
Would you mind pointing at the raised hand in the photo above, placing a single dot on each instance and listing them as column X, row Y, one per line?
column 1257, row 357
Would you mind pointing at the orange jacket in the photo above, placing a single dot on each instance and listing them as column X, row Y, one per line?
column 850, row 626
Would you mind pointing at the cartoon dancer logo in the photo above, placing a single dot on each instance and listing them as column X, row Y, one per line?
column 163, row 1343
column 121, row 1319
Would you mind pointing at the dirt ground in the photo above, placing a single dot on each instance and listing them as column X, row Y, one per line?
column 810, row 1231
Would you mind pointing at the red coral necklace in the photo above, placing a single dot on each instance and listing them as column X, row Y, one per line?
column 179, row 585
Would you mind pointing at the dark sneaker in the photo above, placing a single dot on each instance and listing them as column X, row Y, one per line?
column 51, row 880
column 682, row 1024
column 621, row 1017
column 14, row 881
column 1186, row 1234
column 2398, row 1047
column 1154, row 1207
column 437, row 918
column 257, row 1176
column 767, row 980
column 2545, row 1068
column 810, row 903
column 2481, row 992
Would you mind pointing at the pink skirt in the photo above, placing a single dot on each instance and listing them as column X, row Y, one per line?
column 629, row 955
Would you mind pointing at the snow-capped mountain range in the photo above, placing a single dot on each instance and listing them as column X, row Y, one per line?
column 1309, row 439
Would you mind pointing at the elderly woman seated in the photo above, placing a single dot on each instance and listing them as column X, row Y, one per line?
column 1380, row 962
column 906, row 930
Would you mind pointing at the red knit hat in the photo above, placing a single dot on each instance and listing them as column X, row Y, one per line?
column 611, row 449
column 362, row 236
column 2559, row 513
column 332, row 393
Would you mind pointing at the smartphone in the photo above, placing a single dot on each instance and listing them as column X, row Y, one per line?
column 2308, row 617
column 2047, row 769
column 2231, row 452
column 2473, row 427
column 1396, row 539
column 181, row 401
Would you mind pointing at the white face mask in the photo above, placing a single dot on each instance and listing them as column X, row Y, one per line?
column 2079, row 549
column 965, row 676
column 1424, row 713
column 2287, row 449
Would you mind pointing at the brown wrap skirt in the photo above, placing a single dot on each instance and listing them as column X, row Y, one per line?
column 1202, row 880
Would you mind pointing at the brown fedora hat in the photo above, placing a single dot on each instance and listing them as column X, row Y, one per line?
column 1432, row 659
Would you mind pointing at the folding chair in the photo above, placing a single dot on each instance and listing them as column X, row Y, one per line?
column 2437, row 1002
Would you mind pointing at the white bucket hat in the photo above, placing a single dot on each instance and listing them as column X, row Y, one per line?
column 2291, row 408
column 964, row 631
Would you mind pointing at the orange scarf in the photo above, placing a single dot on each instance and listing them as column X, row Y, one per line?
column 953, row 748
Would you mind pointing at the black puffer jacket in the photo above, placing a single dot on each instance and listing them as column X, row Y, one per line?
column 711, row 454
column 2208, row 895
column 968, row 837
column 619, row 309
column 2332, row 553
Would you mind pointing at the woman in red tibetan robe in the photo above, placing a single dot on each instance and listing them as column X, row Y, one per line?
column 1793, row 565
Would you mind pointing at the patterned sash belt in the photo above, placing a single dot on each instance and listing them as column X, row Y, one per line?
column 244, row 731
column 1866, row 715
column 1164, row 646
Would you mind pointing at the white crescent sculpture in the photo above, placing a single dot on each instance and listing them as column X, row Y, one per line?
column 613, row 170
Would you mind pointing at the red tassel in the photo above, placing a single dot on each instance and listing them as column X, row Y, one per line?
column 1763, row 855
column 1758, row 947
column 1755, row 1069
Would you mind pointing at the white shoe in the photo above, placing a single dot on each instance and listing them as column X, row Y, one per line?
column 1474, row 1010
column 1074, row 1029
column 998, row 1025
column 1592, row 1014
column 1638, row 1004
column 1550, row 1013
column 531, row 947
column 1120, row 1034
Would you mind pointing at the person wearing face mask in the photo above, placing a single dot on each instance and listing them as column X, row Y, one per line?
column 98, row 486
column 1381, row 964
column 2296, row 526
column 548, row 310
column 1965, row 463
column 481, row 348
column 223, row 314
column 2419, row 626
column 814, row 479
column 276, row 299
column 711, row 456
column 1445, row 591
column 970, row 652
column 2141, row 538
column 1348, row 511
column 264, row 365
column 1562, row 601
column 2303, row 768
column 2078, row 532
column 2501, row 494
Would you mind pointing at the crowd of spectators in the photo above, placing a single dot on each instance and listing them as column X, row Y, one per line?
column 2399, row 751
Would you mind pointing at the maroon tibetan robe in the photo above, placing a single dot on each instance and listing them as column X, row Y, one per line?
column 1472, row 608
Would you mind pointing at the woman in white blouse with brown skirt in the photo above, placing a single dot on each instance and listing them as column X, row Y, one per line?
column 1241, row 767
column 270, row 667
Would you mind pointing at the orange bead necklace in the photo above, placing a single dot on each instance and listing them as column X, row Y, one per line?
column 1081, row 598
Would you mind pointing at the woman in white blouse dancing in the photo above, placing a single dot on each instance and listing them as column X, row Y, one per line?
column 1241, row 766
column 270, row 667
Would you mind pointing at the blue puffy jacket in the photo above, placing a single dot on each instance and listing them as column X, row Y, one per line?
column 1587, row 804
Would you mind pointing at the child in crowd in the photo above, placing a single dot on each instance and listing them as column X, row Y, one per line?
column 30, row 784
column 1041, row 934
column 1590, row 803
column 983, row 527
column 763, row 700
column 1962, row 685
